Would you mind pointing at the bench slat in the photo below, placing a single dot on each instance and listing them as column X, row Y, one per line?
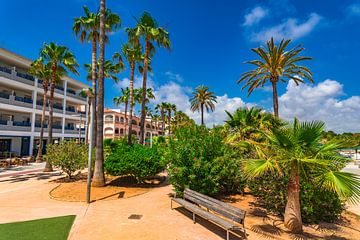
column 214, row 207
column 204, row 214
column 229, row 208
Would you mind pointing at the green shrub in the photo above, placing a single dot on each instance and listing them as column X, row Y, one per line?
column 196, row 160
column 69, row 156
column 136, row 160
column 316, row 204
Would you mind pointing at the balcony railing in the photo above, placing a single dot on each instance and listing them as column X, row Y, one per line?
column 71, row 91
column 15, row 126
column 23, row 99
column 70, row 109
column 38, row 125
column 25, row 76
column 5, row 70
column 4, row 95
column 17, row 76
column 21, row 124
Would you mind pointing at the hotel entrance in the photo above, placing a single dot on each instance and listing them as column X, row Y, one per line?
column 14, row 146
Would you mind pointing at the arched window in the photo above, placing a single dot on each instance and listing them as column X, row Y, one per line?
column 147, row 125
column 116, row 131
column 109, row 130
column 122, row 119
column 134, row 122
column 109, row 118
column 116, row 119
column 121, row 131
column 134, row 132
column 148, row 134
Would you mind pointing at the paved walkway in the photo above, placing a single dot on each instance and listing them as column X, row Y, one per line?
column 26, row 197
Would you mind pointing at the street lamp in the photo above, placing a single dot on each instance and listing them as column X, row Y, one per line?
column 90, row 126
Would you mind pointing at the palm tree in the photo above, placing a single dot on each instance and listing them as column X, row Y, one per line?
column 87, row 29
column 123, row 98
column 60, row 58
column 170, row 108
column 296, row 151
column 133, row 56
column 201, row 98
column 250, row 123
column 147, row 29
column 98, row 176
column 156, row 118
column 276, row 64
column 161, row 107
column 43, row 72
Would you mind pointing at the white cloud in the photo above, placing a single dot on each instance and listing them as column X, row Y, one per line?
column 290, row 29
column 354, row 9
column 255, row 16
column 174, row 76
column 125, row 82
column 321, row 102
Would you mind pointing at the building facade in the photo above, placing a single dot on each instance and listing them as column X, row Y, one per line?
column 116, row 125
column 21, row 107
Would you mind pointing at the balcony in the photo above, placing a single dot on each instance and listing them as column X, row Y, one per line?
column 16, row 100
column 57, row 128
column 20, row 126
column 72, row 93
column 17, row 76
column 59, row 89
column 74, row 130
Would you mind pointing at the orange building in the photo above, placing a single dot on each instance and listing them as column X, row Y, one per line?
column 116, row 126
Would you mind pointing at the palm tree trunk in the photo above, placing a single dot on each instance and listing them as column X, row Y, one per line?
column 169, row 120
column 88, row 120
column 143, row 97
column 126, row 108
column 292, row 217
column 202, row 114
column 163, row 121
column 93, row 79
column 275, row 99
column 131, row 101
column 48, row 167
column 39, row 153
column 98, row 177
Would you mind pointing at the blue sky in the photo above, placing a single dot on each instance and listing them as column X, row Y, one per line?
column 211, row 40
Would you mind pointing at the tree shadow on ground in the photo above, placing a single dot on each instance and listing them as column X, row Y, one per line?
column 266, row 230
column 210, row 226
column 26, row 177
column 130, row 181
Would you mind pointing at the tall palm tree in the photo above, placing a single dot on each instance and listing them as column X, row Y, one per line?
column 161, row 107
column 61, row 59
column 42, row 72
column 201, row 98
column 148, row 30
column 170, row 108
column 296, row 151
column 133, row 56
column 124, row 98
column 87, row 29
column 98, row 176
column 276, row 64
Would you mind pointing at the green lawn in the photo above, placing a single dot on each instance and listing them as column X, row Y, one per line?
column 57, row 228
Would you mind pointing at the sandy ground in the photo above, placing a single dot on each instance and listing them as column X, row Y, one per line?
column 27, row 197
column 116, row 188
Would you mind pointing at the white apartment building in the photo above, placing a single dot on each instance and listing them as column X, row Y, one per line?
column 21, row 106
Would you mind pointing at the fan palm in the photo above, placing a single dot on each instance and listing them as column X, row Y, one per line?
column 43, row 72
column 123, row 98
column 147, row 29
column 296, row 150
column 276, row 64
column 87, row 29
column 61, row 59
column 250, row 124
column 201, row 98
column 133, row 56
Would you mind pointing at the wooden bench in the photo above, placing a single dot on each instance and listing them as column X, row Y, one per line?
column 222, row 214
